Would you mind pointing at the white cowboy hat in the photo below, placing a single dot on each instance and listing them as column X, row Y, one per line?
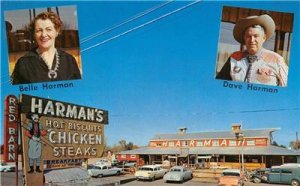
column 263, row 20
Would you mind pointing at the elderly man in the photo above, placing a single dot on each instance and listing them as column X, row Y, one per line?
column 256, row 64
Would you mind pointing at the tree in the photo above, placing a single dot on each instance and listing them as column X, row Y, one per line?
column 129, row 146
column 122, row 144
column 278, row 145
column 295, row 144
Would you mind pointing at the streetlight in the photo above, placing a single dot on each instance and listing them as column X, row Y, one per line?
column 236, row 128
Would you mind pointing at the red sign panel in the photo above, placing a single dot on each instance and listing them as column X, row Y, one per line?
column 127, row 157
column 261, row 142
column 11, row 129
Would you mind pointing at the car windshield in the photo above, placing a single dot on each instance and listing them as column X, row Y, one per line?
column 175, row 170
column 145, row 169
column 90, row 166
column 231, row 174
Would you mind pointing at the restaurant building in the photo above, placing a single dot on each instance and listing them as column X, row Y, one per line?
column 213, row 149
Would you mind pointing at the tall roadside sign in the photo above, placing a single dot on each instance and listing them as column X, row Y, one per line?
column 57, row 134
column 11, row 111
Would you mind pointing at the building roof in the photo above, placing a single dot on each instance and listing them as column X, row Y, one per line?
column 264, row 150
column 255, row 133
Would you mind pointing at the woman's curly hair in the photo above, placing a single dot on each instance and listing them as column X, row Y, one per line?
column 54, row 18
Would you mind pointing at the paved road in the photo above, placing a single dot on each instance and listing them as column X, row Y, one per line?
column 187, row 183
column 8, row 178
column 161, row 182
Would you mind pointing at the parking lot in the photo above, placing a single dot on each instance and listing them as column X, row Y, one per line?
column 128, row 180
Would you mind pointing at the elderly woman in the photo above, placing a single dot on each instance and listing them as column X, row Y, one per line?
column 45, row 63
column 256, row 64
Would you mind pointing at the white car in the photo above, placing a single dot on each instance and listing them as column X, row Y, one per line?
column 103, row 162
column 178, row 174
column 4, row 167
column 150, row 172
column 103, row 170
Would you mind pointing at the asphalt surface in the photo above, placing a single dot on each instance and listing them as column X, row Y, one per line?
column 161, row 182
column 8, row 179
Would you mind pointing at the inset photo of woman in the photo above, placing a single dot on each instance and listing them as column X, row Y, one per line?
column 43, row 45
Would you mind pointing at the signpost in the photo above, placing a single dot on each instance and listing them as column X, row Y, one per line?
column 236, row 128
column 11, row 131
column 57, row 134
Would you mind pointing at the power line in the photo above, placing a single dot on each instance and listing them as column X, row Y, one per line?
column 142, row 25
column 206, row 114
column 266, row 110
column 125, row 22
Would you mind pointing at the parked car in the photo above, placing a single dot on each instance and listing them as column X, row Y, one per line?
column 231, row 177
column 150, row 172
column 285, row 174
column 103, row 162
column 178, row 174
column 126, row 164
column 103, row 170
column 4, row 167
column 115, row 162
column 259, row 175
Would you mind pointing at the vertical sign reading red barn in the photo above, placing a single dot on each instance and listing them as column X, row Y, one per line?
column 11, row 129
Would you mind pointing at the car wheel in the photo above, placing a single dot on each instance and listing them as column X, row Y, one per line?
column 5, row 170
column 295, row 183
column 182, row 180
column 153, row 178
column 100, row 176
column 118, row 172
column 256, row 180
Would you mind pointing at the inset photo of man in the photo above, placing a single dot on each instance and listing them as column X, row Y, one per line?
column 254, row 46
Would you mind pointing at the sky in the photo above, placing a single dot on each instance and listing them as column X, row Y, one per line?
column 162, row 76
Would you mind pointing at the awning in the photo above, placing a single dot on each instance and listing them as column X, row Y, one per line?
column 183, row 156
column 204, row 157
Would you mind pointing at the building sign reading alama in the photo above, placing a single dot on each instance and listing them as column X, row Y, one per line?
column 210, row 143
